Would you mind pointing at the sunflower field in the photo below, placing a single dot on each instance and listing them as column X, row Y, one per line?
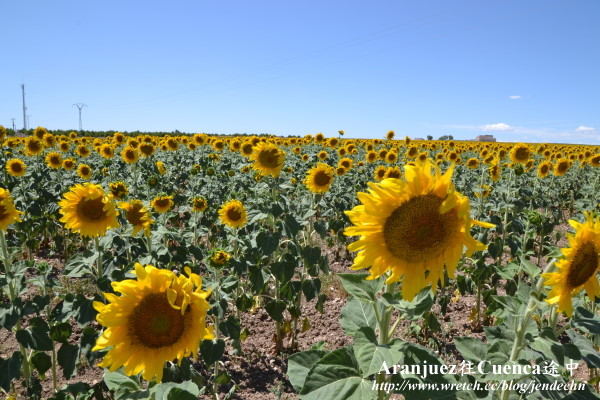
column 262, row 267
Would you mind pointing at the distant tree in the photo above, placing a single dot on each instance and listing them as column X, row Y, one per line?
column 429, row 137
column 450, row 137
column 445, row 137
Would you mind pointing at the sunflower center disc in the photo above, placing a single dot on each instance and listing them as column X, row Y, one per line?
column 91, row 210
column 269, row 158
column 416, row 231
column 322, row 178
column 154, row 323
column 584, row 265
column 134, row 216
column 233, row 214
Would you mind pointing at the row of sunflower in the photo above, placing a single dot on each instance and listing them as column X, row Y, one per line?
column 234, row 224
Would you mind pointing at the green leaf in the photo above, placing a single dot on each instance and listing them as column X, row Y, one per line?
column 10, row 369
column 275, row 309
column 371, row 355
column 175, row 391
column 67, row 357
column 588, row 351
column 359, row 287
column 60, row 332
column 357, row 314
column 299, row 365
column 337, row 377
column 41, row 361
column 283, row 270
column 81, row 264
column 472, row 349
column 585, row 320
column 119, row 383
column 36, row 336
column 311, row 288
column 311, row 255
column 212, row 350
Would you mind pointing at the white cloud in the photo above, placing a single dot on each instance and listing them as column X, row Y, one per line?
column 515, row 97
column 499, row 127
column 585, row 129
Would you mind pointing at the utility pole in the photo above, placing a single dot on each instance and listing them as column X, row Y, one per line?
column 80, row 106
column 24, row 108
column 13, row 122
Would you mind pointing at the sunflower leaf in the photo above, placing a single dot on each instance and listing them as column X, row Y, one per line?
column 359, row 287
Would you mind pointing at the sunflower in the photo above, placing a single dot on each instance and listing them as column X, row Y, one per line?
column 520, row 153
column 147, row 149
column 412, row 152
column 158, row 317
column 380, row 173
column 578, row 267
column 161, row 167
column 137, row 215
column 107, row 151
column 495, row 170
column 322, row 155
column 83, row 151
column 49, row 140
column 391, row 157
column 54, row 160
column 33, row 146
column 268, row 159
column 39, row 132
column 595, row 160
column 392, row 172
column 561, row 167
column 390, row 135
column 68, row 164
column 16, row 167
column 162, row 204
column 64, row 146
column 340, row 171
column 371, row 156
column 412, row 228
column 130, row 155
column 84, row 171
column 118, row 189
column 346, row 163
column 472, row 163
column 233, row 214
column 87, row 210
column 319, row 178
column 8, row 213
column 220, row 258
column 199, row 204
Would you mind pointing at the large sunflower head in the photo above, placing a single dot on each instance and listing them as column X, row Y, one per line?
column 412, row 228
column 16, row 167
column 8, row 213
column 162, row 204
column 320, row 178
column 137, row 215
column 107, row 151
column 561, row 167
column 54, row 160
column 158, row 317
column 83, row 151
column 84, row 171
column 268, row 158
column 130, row 155
column 233, row 214
column 219, row 258
column 64, row 146
column 87, row 210
column 33, row 146
column 68, row 164
column 520, row 153
column 578, row 267
column 146, row 149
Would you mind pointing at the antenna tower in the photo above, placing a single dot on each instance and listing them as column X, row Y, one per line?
column 80, row 106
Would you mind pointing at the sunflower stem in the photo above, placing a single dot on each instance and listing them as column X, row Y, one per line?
column 99, row 259
column 384, row 334
column 521, row 324
column 216, row 339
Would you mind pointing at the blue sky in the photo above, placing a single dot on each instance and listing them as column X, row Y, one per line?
column 520, row 70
